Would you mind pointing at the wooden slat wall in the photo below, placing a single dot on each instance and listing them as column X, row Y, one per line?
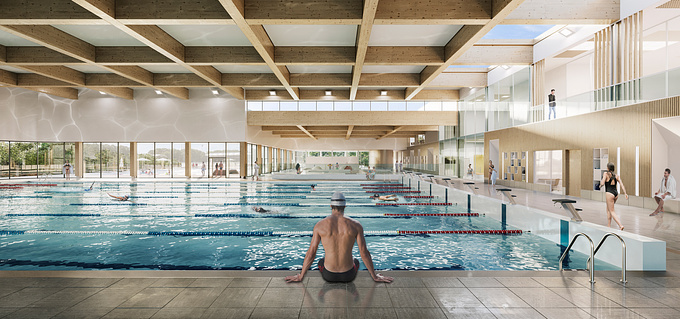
column 624, row 127
column 538, row 82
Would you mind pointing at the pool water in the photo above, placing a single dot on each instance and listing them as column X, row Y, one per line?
column 84, row 225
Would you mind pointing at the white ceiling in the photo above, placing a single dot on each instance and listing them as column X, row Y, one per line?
column 207, row 35
column 166, row 68
column 312, row 35
column 320, row 68
column 12, row 69
column 243, row 68
column 392, row 68
column 100, row 35
column 412, row 35
column 8, row 39
column 88, row 68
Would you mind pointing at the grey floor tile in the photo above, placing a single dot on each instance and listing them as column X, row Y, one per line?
column 318, row 282
column 455, row 297
column 6, row 290
column 133, row 283
column 657, row 313
column 367, row 282
column 667, row 296
column 481, row 282
column 325, row 298
column 372, row 313
column 558, row 282
column 599, row 282
column 4, row 311
column 584, row 297
column 27, row 296
column 66, row 297
column 420, row 313
column 151, row 298
column 82, row 313
column 612, row 313
column 498, row 297
column 238, row 298
column 468, row 313
column 18, row 282
column 172, row 283
column 541, row 297
column 97, row 282
column 406, row 282
column 37, row 313
column 50, row 282
column 518, row 282
column 634, row 282
column 368, row 298
column 130, row 313
column 196, row 297
column 211, row 282
column 108, row 297
column 249, row 282
column 282, row 298
column 516, row 313
column 329, row 313
column 629, row 298
column 411, row 297
column 668, row 282
column 564, row 313
column 180, row 313
column 280, row 282
column 442, row 282
column 227, row 313
column 279, row 313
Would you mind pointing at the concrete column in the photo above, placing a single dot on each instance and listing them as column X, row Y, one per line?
column 187, row 159
column 79, row 163
column 243, row 171
column 134, row 165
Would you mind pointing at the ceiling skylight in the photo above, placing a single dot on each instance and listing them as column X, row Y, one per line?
column 522, row 32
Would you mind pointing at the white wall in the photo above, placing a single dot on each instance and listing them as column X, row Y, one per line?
column 31, row 116
column 557, row 43
column 556, row 79
column 580, row 77
column 629, row 7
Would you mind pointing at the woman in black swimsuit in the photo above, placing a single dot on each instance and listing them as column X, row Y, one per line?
column 609, row 181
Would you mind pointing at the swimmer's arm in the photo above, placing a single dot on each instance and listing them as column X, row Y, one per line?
column 368, row 260
column 309, row 257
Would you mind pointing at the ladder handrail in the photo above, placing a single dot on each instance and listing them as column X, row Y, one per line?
column 592, row 254
column 623, row 253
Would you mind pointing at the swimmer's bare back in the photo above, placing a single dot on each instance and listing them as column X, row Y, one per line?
column 338, row 235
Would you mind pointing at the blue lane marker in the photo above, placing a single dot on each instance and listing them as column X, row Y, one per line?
column 22, row 196
column 57, row 215
column 12, row 232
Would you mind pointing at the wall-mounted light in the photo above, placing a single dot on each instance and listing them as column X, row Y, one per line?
column 159, row 92
column 505, row 67
column 566, row 32
column 329, row 93
column 215, row 92
column 383, row 93
column 272, row 93
column 102, row 93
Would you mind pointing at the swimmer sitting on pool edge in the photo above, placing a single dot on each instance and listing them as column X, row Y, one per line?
column 386, row 198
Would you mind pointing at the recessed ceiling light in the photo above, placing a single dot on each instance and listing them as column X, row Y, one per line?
column 215, row 92
column 159, row 92
column 566, row 32
column 272, row 93
column 505, row 66
column 102, row 93
column 383, row 93
column 329, row 93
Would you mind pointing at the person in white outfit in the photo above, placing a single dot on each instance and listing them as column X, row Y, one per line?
column 666, row 190
column 256, row 171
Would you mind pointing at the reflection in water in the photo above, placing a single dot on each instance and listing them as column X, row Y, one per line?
column 337, row 295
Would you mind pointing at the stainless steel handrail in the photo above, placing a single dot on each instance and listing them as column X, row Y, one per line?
column 591, row 259
column 623, row 254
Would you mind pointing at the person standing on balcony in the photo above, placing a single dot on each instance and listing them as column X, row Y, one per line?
column 551, row 104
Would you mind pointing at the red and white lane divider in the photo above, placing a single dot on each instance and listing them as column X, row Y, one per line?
column 438, row 215
column 413, row 204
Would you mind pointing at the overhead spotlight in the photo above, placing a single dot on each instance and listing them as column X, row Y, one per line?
column 159, row 92
column 215, row 92
column 566, row 32
column 383, row 93
column 505, row 67
column 329, row 93
column 272, row 93
column 102, row 93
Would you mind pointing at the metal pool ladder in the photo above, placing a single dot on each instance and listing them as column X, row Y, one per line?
column 623, row 254
column 591, row 260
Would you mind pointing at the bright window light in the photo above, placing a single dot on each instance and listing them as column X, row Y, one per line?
column 102, row 93
column 159, row 92
column 215, row 92
column 566, row 32
column 505, row 67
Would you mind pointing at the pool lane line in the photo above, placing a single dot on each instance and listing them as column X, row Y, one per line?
column 241, row 215
column 413, row 204
column 389, row 233
column 23, row 196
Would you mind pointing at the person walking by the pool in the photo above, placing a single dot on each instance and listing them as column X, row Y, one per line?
column 120, row 198
column 551, row 104
column 221, row 169
column 609, row 181
column 401, row 166
column 470, row 172
column 666, row 190
column 203, row 169
column 67, row 170
column 338, row 233
column 386, row 198
column 256, row 171
column 491, row 170
column 297, row 168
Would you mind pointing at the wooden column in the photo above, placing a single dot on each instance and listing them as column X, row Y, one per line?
column 271, row 159
column 258, row 158
column 187, row 160
column 134, row 165
column 243, row 171
column 78, row 160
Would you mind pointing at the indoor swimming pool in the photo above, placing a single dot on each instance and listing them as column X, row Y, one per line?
column 212, row 225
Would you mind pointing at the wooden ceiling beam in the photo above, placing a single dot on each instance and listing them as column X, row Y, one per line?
column 396, row 129
column 349, row 131
column 306, row 132
column 497, row 55
column 363, row 35
column 321, row 80
column 302, row 55
column 464, row 39
column 60, row 73
column 68, row 93
column 27, row 80
column 121, row 92
column 260, row 40
column 433, row 12
column 404, row 55
column 8, row 78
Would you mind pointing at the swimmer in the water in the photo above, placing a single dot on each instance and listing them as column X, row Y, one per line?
column 386, row 198
column 89, row 189
column 259, row 209
column 120, row 198
column 313, row 187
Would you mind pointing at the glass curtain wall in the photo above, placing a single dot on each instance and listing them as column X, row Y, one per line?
column 123, row 160
column 109, row 159
column 179, row 160
column 199, row 156
column 266, row 163
column 91, row 152
column 548, row 170
column 4, row 160
column 50, row 159
column 145, row 160
column 233, row 166
column 163, row 160
column 217, row 159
